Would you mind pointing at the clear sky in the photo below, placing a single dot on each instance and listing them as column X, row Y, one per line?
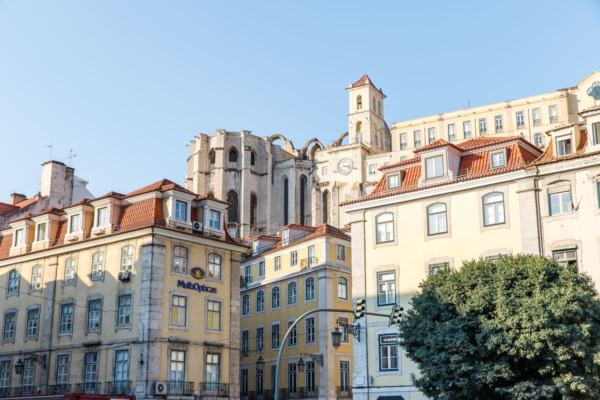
column 127, row 84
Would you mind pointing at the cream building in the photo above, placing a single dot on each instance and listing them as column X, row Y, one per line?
column 286, row 275
column 122, row 295
column 474, row 199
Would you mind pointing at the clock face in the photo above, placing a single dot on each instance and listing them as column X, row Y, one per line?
column 345, row 166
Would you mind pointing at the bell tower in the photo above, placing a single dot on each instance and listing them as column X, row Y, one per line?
column 365, row 116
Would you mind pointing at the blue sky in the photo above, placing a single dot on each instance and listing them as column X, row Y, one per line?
column 127, row 84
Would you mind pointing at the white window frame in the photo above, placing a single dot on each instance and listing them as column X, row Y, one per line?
column 467, row 133
column 417, row 138
column 561, row 147
column 181, row 210
column 393, row 181
column 340, row 252
column 214, row 220
column 342, row 288
column 493, row 209
column 565, row 203
column 391, row 357
column 451, row 132
column 102, row 217
column 386, row 287
column 493, row 159
column 385, row 228
column 434, row 167
column 432, row 212
column 294, row 258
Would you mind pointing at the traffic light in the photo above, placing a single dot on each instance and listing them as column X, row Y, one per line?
column 395, row 315
column 359, row 308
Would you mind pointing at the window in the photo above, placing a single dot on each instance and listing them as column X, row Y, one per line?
column 493, row 209
column 293, row 338
column 388, row 353
column 178, row 311
column 520, row 119
column 292, row 293
column 19, row 238
column 379, row 107
column 62, row 369
column 497, row 159
column 252, row 158
column 124, row 311
column 10, row 323
column 596, row 133
column 345, row 376
column 97, row 265
column 343, row 324
column 121, row 370
column 127, row 258
column 214, row 220
column 310, row 330
column 261, row 268
column 177, row 366
column 340, row 252
column 285, row 237
column 482, row 126
column 430, row 135
column 498, row 123
column 566, row 257
column 70, row 266
column 213, row 375
column 311, row 379
column 359, row 136
column 102, row 217
column 539, row 141
column 66, row 318
column 435, row 268
column 214, row 266
column 553, row 111
column 245, row 346
column 294, row 259
column 537, row 117
column 75, row 225
column 94, row 315
column 91, row 372
column 244, row 382
column 560, row 203
column 310, row 288
column 312, row 256
column 275, row 336
column 246, row 304
column 247, row 275
column 180, row 210
column 386, row 288
column 277, row 263
column 563, row 145
column 260, row 339
column 403, row 141
column 359, row 102
column 275, row 297
column 451, row 132
column 13, row 282
column 417, row 138
column 434, row 167
column 41, row 232
column 385, row 228
column 292, row 385
column 393, row 181
column 259, row 386
column 372, row 169
column 324, row 170
column 260, row 301
column 36, row 277
column 214, row 315
column 467, row 129
column 28, row 382
column 436, row 219
column 233, row 156
column 342, row 288
column 376, row 144
column 5, row 377
column 180, row 259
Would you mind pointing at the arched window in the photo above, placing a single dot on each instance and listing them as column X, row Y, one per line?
column 493, row 209
column 275, row 297
column 36, row 277
column 211, row 156
column 302, row 200
column 232, row 198
column 70, row 266
column 343, row 288
column 310, row 288
column 252, row 158
column 285, row 201
column 379, row 108
column 374, row 105
column 13, row 282
column 214, row 266
column 180, row 259
column 127, row 258
column 260, row 301
column 326, row 209
column 233, row 155
column 359, row 127
column 292, row 293
column 253, row 209
column 246, row 305
column 376, row 140
column 385, row 228
column 437, row 219
column 97, row 264
column 359, row 102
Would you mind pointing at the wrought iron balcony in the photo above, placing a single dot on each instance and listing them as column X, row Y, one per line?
column 299, row 393
column 553, row 119
column 56, row 389
column 118, row 387
column 214, row 389
column 520, row 125
column 88, row 388
column 537, row 122
column 180, row 388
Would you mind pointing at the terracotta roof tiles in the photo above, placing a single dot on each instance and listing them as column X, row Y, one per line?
column 28, row 202
column 161, row 186
column 5, row 245
column 6, row 209
column 142, row 213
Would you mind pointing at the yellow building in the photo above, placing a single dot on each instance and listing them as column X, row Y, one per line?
column 285, row 276
column 123, row 294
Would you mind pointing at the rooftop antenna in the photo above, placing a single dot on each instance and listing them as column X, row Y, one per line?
column 50, row 147
column 71, row 156
column 469, row 102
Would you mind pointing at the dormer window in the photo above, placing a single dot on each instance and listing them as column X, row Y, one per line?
column 393, row 181
column 285, row 237
column 41, row 232
column 563, row 145
column 434, row 167
column 20, row 238
column 102, row 217
column 497, row 159
column 255, row 247
column 180, row 210
column 596, row 133
column 214, row 220
column 75, row 225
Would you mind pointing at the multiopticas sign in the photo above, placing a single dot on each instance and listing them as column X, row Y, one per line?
column 195, row 286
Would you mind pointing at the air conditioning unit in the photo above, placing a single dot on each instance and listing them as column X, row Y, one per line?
column 160, row 388
column 124, row 276
column 196, row 226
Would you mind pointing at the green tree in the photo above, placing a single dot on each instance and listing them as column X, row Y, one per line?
column 522, row 327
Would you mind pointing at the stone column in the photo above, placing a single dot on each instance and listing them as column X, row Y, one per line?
column 234, row 328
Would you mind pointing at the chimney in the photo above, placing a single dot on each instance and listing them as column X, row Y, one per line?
column 17, row 198
column 56, row 183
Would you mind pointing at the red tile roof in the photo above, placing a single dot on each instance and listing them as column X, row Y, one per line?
column 27, row 202
column 161, row 186
column 364, row 80
column 5, row 245
column 210, row 196
column 83, row 201
column 142, row 213
column 6, row 209
column 438, row 143
column 110, row 194
column 299, row 227
column 24, row 217
column 548, row 155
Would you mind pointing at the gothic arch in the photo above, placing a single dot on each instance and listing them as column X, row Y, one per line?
column 341, row 139
column 303, row 195
column 313, row 144
column 234, row 209
column 285, row 190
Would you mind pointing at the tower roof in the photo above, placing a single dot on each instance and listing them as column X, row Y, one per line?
column 363, row 81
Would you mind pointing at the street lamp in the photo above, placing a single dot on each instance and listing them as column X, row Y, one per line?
column 260, row 363
column 301, row 365
column 336, row 338
column 19, row 367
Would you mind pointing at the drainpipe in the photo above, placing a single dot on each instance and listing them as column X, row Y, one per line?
column 366, row 316
column 538, row 215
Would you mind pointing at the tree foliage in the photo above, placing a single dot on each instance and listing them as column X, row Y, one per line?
column 522, row 327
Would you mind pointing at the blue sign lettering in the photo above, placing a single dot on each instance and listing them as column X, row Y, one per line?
column 196, row 286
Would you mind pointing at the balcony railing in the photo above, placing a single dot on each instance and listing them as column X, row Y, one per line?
column 118, row 387
column 55, row 389
column 180, row 388
column 309, row 262
column 88, row 388
column 553, row 119
column 537, row 122
column 344, row 392
column 520, row 125
column 299, row 393
column 214, row 389
column 109, row 388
